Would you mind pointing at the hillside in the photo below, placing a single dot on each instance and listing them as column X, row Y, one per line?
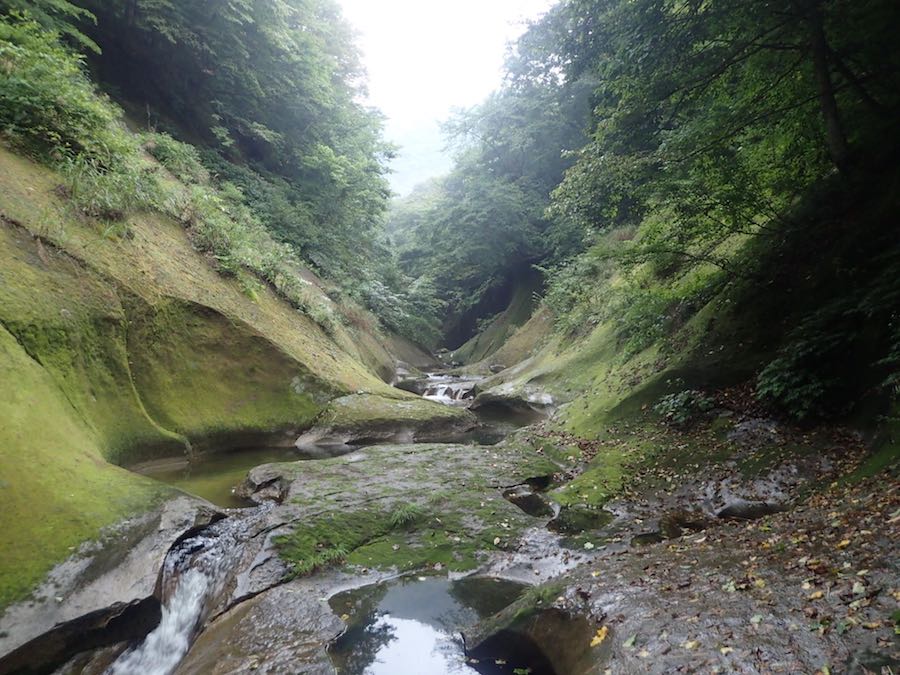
column 118, row 349
column 618, row 393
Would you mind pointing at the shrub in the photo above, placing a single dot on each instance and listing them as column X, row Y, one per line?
column 684, row 408
column 48, row 106
column 109, row 192
column 181, row 159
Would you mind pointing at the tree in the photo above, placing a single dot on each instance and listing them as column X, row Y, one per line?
column 58, row 16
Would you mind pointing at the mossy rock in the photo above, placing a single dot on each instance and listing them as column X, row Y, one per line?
column 402, row 506
column 366, row 418
column 117, row 349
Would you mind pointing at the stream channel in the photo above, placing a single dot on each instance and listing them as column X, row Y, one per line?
column 408, row 625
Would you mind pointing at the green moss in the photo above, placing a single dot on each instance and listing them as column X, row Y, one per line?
column 380, row 539
column 201, row 375
column 607, row 473
column 73, row 324
column 366, row 411
column 121, row 346
column 408, row 507
column 56, row 488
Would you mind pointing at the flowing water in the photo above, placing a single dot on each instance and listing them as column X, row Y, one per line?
column 194, row 576
column 456, row 390
column 411, row 625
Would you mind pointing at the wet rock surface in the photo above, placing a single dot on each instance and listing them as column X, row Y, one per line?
column 102, row 578
column 734, row 565
column 743, row 570
column 276, row 624
column 122, row 622
column 529, row 407
column 784, row 594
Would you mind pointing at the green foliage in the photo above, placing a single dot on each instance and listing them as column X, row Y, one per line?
column 472, row 231
column 110, row 193
column 181, row 159
column 274, row 87
column 791, row 384
column 406, row 515
column 55, row 16
column 683, row 408
column 47, row 104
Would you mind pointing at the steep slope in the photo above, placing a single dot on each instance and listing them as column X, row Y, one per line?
column 121, row 347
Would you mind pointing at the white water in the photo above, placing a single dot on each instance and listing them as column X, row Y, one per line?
column 450, row 390
column 194, row 580
column 164, row 648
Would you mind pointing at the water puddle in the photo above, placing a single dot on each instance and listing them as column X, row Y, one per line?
column 414, row 625
column 214, row 476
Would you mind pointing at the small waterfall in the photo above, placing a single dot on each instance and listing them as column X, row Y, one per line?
column 164, row 648
column 194, row 578
column 450, row 390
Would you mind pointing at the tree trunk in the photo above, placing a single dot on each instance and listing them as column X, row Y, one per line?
column 834, row 131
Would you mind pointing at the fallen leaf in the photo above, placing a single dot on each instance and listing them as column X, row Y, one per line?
column 691, row 644
column 602, row 632
column 843, row 544
column 629, row 643
column 726, row 650
column 815, row 596
column 756, row 619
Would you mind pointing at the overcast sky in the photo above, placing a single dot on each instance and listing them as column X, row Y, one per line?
column 426, row 57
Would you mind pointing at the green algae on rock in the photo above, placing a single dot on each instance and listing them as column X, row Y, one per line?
column 120, row 349
column 403, row 507
column 368, row 418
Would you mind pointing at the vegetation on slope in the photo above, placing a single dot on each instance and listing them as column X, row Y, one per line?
column 730, row 201
column 145, row 308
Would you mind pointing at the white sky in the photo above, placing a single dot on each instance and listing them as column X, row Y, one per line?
column 426, row 57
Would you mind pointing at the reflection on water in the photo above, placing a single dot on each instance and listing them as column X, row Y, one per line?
column 214, row 476
column 412, row 626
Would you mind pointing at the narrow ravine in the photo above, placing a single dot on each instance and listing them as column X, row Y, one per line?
column 201, row 568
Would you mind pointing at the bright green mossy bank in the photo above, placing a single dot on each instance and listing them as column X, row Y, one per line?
column 122, row 343
column 57, row 491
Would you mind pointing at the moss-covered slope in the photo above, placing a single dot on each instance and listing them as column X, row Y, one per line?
column 119, row 347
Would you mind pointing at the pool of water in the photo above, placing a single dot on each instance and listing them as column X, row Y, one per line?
column 214, row 476
column 413, row 626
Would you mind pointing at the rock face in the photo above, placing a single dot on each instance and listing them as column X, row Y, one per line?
column 366, row 419
column 119, row 623
column 528, row 406
column 126, row 350
column 104, row 582
column 382, row 510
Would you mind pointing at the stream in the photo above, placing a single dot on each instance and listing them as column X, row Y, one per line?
column 408, row 626
column 214, row 476
column 193, row 580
